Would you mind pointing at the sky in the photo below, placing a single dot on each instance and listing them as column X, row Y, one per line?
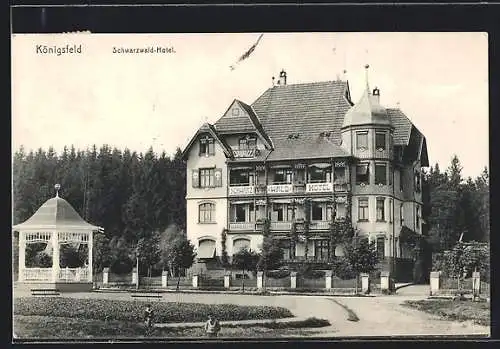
column 439, row 80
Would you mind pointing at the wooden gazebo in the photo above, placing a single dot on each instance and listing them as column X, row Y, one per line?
column 56, row 222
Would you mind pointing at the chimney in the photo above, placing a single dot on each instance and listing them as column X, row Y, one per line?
column 376, row 94
column 282, row 79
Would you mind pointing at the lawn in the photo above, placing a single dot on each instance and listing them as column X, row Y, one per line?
column 132, row 311
column 479, row 312
column 49, row 327
column 68, row 318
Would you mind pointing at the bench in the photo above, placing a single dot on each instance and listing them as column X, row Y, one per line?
column 44, row 292
column 155, row 295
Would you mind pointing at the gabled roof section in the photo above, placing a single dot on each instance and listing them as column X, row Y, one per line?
column 416, row 148
column 306, row 148
column 210, row 129
column 240, row 117
column 307, row 109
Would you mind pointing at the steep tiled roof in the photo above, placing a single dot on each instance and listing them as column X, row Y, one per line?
column 305, row 148
column 402, row 126
column 306, row 109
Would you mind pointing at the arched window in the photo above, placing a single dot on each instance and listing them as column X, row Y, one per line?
column 240, row 244
column 206, row 213
column 206, row 249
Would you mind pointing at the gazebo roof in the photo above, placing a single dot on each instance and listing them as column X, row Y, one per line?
column 55, row 213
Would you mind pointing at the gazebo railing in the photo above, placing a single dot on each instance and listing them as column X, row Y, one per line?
column 73, row 274
column 38, row 274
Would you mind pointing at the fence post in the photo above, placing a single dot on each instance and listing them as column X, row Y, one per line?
column 164, row 276
column 134, row 275
column 476, row 285
column 328, row 279
column 365, row 283
column 105, row 276
column 227, row 279
column 260, row 280
column 293, row 279
column 435, row 282
column 385, row 282
column 195, row 280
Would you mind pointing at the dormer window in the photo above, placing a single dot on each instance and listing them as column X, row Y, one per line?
column 207, row 146
column 362, row 141
column 236, row 112
column 380, row 144
column 247, row 142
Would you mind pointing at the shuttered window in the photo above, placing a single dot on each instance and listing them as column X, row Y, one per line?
column 207, row 178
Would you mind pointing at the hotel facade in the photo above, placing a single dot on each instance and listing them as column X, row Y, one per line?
column 304, row 152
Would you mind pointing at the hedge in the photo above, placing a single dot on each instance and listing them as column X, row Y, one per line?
column 105, row 309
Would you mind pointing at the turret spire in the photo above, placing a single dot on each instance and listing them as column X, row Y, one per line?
column 57, row 187
column 366, row 77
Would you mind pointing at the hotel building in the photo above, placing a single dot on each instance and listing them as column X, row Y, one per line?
column 304, row 147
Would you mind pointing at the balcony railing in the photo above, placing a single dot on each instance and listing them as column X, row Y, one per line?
column 281, row 225
column 323, row 187
column 242, row 226
column 340, row 187
column 280, row 189
column 245, row 153
column 237, row 189
column 320, row 225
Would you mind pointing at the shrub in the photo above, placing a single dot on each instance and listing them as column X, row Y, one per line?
column 104, row 309
column 342, row 268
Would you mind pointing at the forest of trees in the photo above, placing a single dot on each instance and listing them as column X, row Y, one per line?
column 139, row 200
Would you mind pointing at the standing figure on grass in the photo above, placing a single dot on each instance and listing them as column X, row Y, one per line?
column 148, row 317
column 212, row 326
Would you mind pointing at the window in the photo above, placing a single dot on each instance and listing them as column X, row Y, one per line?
column 278, row 212
column 241, row 177
column 417, row 217
column 380, row 209
column 390, row 210
column 322, row 249
column 362, row 174
column 401, row 181
column 206, row 213
column 381, row 174
column 236, row 112
column 207, row 146
column 417, row 181
column 362, row 140
column 239, row 213
column 339, row 175
column 380, row 245
column 317, row 212
column 241, row 244
column 401, row 214
column 247, row 143
column 340, row 211
column 362, row 209
column 207, row 177
column 283, row 176
column 319, row 175
column 329, row 212
column 288, row 248
column 380, row 141
column 391, row 174
column 290, row 212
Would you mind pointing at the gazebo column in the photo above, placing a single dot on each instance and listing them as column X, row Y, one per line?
column 90, row 247
column 22, row 256
column 55, row 256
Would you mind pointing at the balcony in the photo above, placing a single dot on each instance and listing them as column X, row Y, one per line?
column 320, row 225
column 341, row 186
column 280, row 226
column 245, row 153
column 280, row 188
column 239, row 190
column 240, row 226
column 322, row 187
